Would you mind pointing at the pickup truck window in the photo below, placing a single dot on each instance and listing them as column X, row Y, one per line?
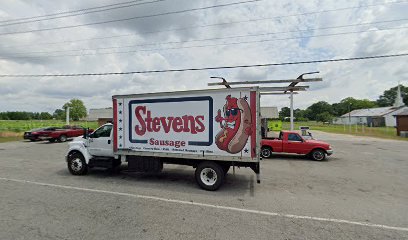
column 294, row 137
column 102, row 132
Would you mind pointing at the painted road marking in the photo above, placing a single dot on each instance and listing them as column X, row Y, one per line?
column 292, row 216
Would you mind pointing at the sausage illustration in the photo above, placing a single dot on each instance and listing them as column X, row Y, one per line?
column 235, row 125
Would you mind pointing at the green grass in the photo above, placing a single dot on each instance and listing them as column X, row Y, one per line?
column 379, row 132
column 25, row 125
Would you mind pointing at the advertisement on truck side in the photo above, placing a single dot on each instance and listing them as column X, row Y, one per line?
column 221, row 123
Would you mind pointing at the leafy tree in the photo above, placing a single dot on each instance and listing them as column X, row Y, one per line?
column 388, row 97
column 45, row 116
column 77, row 109
column 351, row 104
column 59, row 114
column 324, row 117
column 24, row 115
column 284, row 113
column 318, row 108
column 299, row 114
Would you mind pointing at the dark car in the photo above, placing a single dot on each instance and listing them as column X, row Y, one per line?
column 34, row 134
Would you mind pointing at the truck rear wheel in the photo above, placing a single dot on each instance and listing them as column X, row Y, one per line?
column 209, row 175
column 77, row 164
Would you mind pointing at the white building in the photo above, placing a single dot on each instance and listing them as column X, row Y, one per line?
column 375, row 117
column 102, row 115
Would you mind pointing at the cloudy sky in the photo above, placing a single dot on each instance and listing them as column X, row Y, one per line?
column 248, row 33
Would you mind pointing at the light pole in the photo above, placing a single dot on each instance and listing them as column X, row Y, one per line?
column 67, row 116
column 293, row 84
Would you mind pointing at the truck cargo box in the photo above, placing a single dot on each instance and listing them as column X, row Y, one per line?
column 216, row 124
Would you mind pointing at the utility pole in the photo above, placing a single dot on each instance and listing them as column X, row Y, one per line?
column 291, row 111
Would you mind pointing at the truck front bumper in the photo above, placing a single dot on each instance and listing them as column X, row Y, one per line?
column 329, row 152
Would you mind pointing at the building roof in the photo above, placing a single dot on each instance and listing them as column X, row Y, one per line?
column 269, row 112
column 95, row 114
column 371, row 112
column 403, row 113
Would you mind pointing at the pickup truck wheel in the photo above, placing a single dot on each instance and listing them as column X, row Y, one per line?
column 266, row 152
column 209, row 175
column 62, row 138
column 77, row 164
column 51, row 140
column 318, row 155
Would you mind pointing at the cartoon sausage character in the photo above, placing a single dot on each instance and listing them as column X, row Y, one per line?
column 235, row 125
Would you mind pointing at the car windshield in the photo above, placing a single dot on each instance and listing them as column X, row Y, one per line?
column 36, row 129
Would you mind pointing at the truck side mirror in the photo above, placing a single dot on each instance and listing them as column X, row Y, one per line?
column 86, row 133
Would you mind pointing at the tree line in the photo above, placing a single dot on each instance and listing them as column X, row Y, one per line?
column 325, row 112
column 76, row 112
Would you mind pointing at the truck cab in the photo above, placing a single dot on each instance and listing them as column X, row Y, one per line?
column 293, row 143
column 92, row 150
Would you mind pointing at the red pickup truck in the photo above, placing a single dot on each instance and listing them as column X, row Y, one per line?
column 292, row 142
column 62, row 134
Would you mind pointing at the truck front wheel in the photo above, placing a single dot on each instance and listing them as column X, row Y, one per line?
column 318, row 155
column 77, row 164
column 209, row 175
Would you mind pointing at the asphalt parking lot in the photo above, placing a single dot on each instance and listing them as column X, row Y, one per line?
column 360, row 192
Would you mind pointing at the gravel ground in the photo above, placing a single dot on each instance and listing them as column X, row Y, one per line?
column 360, row 192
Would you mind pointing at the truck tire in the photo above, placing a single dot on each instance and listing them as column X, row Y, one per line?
column 77, row 164
column 62, row 138
column 51, row 140
column 318, row 155
column 266, row 152
column 209, row 175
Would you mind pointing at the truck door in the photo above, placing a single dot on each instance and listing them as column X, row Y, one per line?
column 100, row 142
column 294, row 143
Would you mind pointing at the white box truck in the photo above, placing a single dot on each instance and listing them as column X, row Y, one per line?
column 210, row 130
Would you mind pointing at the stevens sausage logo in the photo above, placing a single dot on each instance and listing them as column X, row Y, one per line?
column 172, row 122
column 235, row 125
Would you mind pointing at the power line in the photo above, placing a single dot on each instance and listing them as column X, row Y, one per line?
column 130, row 18
column 206, row 68
column 201, row 46
column 81, row 13
column 202, row 26
column 219, row 38
column 67, row 12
